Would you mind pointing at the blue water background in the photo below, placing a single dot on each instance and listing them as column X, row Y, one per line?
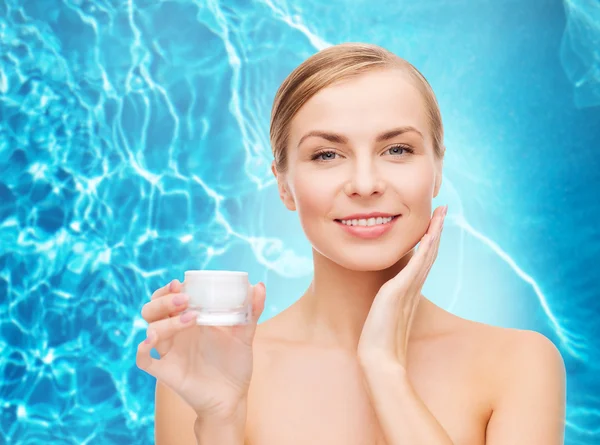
column 134, row 146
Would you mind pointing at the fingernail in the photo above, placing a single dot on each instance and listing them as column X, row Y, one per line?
column 149, row 337
column 446, row 210
column 432, row 240
column 179, row 299
column 187, row 316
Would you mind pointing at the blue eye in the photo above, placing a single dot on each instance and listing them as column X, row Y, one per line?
column 399, row 149
column 329, row 155
column 326, row 155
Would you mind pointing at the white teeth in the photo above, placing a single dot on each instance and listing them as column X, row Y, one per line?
column 367, row 222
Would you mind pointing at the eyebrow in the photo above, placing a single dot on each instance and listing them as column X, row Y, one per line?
column 340, row 139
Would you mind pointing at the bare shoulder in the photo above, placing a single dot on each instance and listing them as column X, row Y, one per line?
column 515, row 351
column 523, row 361
column 281, row 330
column 274, row 337
column 527, row 386
column 506, row 347
column 524, row 381
column 524, row 349
column 508, row 352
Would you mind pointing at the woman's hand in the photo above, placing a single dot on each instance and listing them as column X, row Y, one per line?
column 386, row 330
column 210, row 367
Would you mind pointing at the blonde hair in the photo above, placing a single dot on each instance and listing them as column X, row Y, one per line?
column 331, row 65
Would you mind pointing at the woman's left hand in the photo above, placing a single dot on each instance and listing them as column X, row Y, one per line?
column 386, row 330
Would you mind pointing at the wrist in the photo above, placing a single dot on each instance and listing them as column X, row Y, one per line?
column 381, row 368
column 223, row 428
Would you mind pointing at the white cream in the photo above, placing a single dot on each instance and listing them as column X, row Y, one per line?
column 221, row 298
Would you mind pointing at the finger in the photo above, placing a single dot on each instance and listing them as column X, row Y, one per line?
column 424, row 262
column 258, row 302
column 173, row 287
column 436, row 220
column 412, row 272
column 166, row 328
column 143, row 359
column 163, row 307
column 441, row 217
column 432, row 251
column 429, row 247
column 407, row 283
column 153, row 366
column 259, row 295
column 436, row 242
column 405, row 280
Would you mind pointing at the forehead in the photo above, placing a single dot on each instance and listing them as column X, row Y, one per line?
column 363, row 105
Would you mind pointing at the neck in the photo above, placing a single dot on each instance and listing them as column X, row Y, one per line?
column 336, row 304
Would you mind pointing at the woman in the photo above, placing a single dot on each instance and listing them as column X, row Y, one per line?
column 362, row 357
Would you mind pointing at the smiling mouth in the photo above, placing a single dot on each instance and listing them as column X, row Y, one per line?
column 367, row 222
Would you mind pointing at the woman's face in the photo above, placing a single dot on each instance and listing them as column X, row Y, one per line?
column 358, row 147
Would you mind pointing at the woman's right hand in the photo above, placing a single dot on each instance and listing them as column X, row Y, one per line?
column 210, row 367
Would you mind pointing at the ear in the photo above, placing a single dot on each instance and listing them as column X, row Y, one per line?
column 438, row 177
column 283, row 187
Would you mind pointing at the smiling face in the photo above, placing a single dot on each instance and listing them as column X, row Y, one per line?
column 359, row 147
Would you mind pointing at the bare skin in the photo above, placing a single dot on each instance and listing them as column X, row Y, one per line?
column 457, row 381
column 328, row 403
column 302, row 392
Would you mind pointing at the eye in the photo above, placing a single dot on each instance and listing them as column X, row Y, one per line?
column 325, row 155
column 399, row 150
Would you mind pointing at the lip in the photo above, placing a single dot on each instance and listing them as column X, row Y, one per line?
column 366, row 216
column 369, row 232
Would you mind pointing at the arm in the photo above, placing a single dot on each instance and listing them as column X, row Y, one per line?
column 220, row 431
column 177, row 423
column 174, row 419
column 403, row 416
column 382, row 349
column 530, row 403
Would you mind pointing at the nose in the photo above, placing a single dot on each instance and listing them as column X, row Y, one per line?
column 365, row 180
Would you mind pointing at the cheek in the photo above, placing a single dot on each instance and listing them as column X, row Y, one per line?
column 313, row 196
column 416, row 188
column 415, row 184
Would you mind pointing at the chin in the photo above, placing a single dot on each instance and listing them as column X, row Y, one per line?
column 359, row 260
column 364, row 256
